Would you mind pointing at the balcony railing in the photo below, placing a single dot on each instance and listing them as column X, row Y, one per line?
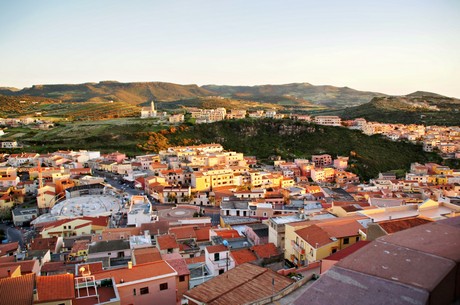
column 297, row 248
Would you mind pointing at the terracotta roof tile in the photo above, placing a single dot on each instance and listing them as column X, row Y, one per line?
column 202, row 234
column 27, row 266
column 243, row 256
column 17, row 290
column 8, row 271
column 396, row 225
column 138, row 272
column 186, row 232
column 166, row 241
column 93, row 267
column 243, row 284
column 58, row 267
column 195, row 260
column 265, row 251
column 216, row 248
column 8, row 248
column 55, row 287
column 146, row 255
column 178, row 263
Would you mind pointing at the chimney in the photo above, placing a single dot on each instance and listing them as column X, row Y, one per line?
column 130, row 265
column 9, row 273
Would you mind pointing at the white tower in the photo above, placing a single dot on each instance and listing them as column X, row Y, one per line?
column 152, row 107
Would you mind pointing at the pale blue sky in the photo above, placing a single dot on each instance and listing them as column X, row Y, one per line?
column 394, row 47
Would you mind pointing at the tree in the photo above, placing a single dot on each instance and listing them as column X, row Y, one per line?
column 155, row 143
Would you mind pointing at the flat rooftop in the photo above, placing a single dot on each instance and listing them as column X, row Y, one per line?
column 90, row 205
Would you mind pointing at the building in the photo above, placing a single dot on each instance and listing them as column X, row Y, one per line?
column 149, row 112
column 328, row 120
column 244, row 284
column 150, row 283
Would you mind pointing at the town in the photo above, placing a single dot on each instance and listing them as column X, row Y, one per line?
column 444, row 140
column 171, row 227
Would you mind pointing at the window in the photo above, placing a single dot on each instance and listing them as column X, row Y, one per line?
column 216, row 256
column 134, row 291
column 182, row 278
column 221, row 271
column 164, row 286
column 357, row 238
column 145, row 290
column 346, row 241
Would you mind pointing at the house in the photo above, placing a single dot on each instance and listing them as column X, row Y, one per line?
column 9, row 249
column 382, row 228
column 178, row 263
column 245, row 284
column 55, row 289
column 75, row 227
column 316, row 240
column 218, row 259
column 257, row 233
column 167, row 244
column 328, row 120
column 150, row 283
column 331, row 260
column 115, row 250
column 23, row 216
column 17, row 290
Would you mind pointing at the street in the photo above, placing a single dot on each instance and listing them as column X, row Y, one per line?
column 12, row 234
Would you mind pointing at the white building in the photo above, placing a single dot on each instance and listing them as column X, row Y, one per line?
column 147, row 112
column 328, row 120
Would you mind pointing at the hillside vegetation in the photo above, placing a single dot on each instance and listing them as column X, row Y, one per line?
column 290, row 140
column 415, row 108
column 133, row 93
column 330, row 96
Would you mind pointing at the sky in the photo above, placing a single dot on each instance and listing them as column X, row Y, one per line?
column 393, row 46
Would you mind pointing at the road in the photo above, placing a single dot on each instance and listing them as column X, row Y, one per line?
column 12, row 234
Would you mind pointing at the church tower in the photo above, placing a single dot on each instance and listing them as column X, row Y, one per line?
column 152, row 107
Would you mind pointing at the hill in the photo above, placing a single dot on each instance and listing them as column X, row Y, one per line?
column 133, row 93
column 330, row 96
column 293, row 139
column 415, row 108
column 302, row 95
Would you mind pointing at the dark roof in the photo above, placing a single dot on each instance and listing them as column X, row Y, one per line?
column 399, row 264
column 109, row 245
column 243, row 284
column 340, row 286
column 434, row 238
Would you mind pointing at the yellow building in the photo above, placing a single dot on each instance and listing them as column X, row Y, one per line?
column 206, row 180
column 75, row 227
column 308, row 242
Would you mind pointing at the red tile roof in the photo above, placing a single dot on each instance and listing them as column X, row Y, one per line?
column 138, row 272
column 28, row 266
column 17, row 290
column 243, row 284
column 195, row 260
column 396, row 225
column 266, row 251
column 146, row 255
column 314, row 235
column 178, row 263
column 8, row 271
column 243, row 256
column 166, row 241
column 8, row 248
column 186, row 232
column 55, row 288
column 93, row 267
column 216, row 248
column 58, row 267
column 202, row 233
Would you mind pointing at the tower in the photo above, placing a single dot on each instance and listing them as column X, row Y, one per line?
column 152, row 107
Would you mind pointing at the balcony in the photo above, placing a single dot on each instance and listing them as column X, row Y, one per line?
column 297, row 248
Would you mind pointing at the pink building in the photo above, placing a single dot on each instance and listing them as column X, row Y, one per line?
column 150, row 283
